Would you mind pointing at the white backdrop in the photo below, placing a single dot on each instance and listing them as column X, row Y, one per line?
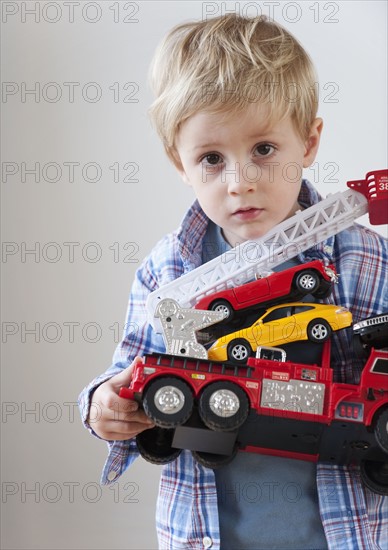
column 86, row 192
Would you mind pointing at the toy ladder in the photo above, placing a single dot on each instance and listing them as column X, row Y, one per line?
column 252, row 258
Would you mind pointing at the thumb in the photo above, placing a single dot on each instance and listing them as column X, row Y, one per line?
column 123, row 378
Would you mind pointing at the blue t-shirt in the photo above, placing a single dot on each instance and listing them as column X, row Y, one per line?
column 265, row 502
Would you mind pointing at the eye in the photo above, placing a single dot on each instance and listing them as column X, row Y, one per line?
column 264, row 149
column 212, row 158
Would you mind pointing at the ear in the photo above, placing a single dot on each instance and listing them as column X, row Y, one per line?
column 182, row 174
column 312, row 142
column 175, row 159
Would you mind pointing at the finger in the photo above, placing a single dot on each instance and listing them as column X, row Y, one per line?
column 120, row 417
column 118, row 405
column 124, row 405
column 122, row 431
column 123, row 378
column 128, row 416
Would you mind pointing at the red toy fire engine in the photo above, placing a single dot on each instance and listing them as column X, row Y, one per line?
column 271, row 406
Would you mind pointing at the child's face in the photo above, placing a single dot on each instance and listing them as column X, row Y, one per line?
column 245, row 174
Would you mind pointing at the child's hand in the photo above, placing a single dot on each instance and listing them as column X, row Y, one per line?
column 113, row 417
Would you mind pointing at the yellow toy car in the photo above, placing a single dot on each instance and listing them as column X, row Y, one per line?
column 281, row 325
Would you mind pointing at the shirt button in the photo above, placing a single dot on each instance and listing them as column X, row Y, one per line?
column 207, row 542
column 112, row 475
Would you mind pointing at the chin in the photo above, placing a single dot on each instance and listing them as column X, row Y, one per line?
column 258, row 233
column 239, row 239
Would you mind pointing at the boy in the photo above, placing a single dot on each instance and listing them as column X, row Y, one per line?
column 236, row 110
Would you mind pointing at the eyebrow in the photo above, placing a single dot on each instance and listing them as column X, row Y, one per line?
column 255, row 137
column 205, row 146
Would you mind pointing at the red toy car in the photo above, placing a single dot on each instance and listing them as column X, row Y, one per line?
column 311, row 278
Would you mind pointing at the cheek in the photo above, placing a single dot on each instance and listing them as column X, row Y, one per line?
column 292, row 173
column 284, row 195
column 210, row 203
column 208, row 190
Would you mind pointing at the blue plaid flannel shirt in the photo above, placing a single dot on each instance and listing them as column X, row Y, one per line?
column 187, row 516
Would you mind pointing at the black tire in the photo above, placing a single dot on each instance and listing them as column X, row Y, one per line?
column 381, row 430
column 318, row 331
column 239, row 350
column 376, row 338
column 307, row 281
column 223, row 406
column 361, row 350
column 374, row 475
column 324, row 290
column 223, row 306
column 213, row 461
column 178, row 402
column 154, row 445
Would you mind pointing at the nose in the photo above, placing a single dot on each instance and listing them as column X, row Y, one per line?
column 240, row 178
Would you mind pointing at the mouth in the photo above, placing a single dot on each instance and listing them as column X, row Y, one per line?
column 247, row 213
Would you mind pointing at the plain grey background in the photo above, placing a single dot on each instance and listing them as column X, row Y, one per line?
column 86, row 192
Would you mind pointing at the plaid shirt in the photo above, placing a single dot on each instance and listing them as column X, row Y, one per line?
column 187, row 516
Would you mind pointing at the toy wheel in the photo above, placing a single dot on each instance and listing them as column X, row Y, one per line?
column 375, row 476
column 381, row 430
column 376, row 338
column 307, row 281
column 360, row 349
column 318, row 330
column 223, row 406
column 222, row 306
column 239, row 350
column 168, row 401
column 214, row 461
column 324, row 292
column 154, row 445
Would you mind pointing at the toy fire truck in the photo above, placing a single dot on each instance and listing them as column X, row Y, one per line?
column 270, row 403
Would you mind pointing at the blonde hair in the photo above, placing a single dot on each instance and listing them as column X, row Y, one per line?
column 226, row 63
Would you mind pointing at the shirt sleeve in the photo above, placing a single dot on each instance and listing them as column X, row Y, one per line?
column 352, row 515
column 160, row 267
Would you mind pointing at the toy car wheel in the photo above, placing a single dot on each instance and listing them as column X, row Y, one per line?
column 372, row 331
column 323, row 291
column 381, row 430
column 222, row 306
column 168, row 401
column 154, row 445
column 307, row 281
column 361, row 350
column 375, row 476
column 318, row 330
column 223, row 406
column 214, row 461
column 239, row 350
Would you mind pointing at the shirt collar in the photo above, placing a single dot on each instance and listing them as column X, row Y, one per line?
column 324, row 250
column 190, row 236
